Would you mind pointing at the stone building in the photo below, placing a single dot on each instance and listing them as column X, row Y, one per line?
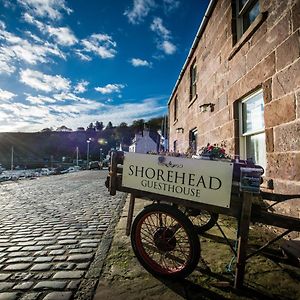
column 241, row 84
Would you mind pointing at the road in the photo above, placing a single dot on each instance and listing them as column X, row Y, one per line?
column 51, row 233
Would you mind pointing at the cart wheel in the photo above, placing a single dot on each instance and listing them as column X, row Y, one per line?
column 203, row 220
column 165, row 242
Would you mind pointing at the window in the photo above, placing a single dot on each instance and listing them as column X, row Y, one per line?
column 193, row 139
column 175, row 146
column 175, row 108
column 193, row 81
column 246, row 13
column 252, row 129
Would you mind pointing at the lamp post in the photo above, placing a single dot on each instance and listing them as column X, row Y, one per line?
column 88, row 152
column 100, row 154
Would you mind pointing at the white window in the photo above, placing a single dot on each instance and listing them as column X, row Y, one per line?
column 246, row 13
column 252, row 129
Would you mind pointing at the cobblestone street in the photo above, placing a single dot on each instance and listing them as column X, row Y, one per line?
column 51, row 233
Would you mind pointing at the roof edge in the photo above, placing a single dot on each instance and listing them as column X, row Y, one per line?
column 200, row 31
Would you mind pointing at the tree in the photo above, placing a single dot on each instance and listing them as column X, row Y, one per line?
column 138, row 125
column 90, row 128
column 47, row 129
column 123, row 125
column 99, row 126
column 109, row 125
column 63, row 128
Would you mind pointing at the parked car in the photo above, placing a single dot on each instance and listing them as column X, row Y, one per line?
column 94, row 165
column 73, row 169
column 59, row 170
column 45, row 172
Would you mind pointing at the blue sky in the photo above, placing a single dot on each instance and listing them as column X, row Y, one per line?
column 75, row 62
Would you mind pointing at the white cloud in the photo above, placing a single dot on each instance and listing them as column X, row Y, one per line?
column 43, row 82
column 170, row 5
column 6, row 66
column 99, row 44
column 33, row 117
column 6, row 95
column 168, row 47
column 110, row 88
column 15, row 49
column 164, row 36
column 139, row 11
column 82, row 56
column 81, row 87
column 158, row 27
column 51, row 9
column 137, row 62
column 62, row 35
column 39, row 99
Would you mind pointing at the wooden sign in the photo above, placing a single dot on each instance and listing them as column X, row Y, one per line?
column 203, row 181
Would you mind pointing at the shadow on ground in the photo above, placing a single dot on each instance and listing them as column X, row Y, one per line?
column 269, row 275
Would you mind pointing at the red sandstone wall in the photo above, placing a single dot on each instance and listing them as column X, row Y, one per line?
column 269, row 59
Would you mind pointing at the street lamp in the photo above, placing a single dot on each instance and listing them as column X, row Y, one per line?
column 100, row 154
column 88, row 152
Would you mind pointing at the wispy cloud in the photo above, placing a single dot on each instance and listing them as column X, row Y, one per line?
column 158, row 27
column 170, row 5
column 137, row 62
column 15, row 49
column 81, row 87
column 82, row 56
column 100, row 44
column 164, row 36
column 110, row 88
column 6, row 95
column 39, row 99
column 62, row 35
column 51, row 9
column 33, row 116
column 139, row 11
column 168, row 47
column 43, row 82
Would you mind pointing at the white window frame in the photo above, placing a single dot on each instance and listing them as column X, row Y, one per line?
column 243, row 136
column 240, row 13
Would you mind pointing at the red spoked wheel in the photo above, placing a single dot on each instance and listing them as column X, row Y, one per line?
column 165, row 242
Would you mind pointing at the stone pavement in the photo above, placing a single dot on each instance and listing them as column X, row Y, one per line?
column 268, row 275
column 54, row 234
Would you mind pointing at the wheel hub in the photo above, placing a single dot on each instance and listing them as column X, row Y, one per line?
column 164, row 239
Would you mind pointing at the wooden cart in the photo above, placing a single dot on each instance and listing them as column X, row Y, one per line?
column 166, row 242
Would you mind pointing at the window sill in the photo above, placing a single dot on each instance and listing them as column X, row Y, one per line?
column 192, row 101
column 248, row 34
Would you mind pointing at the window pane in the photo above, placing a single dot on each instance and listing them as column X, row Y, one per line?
column 256, row 149
column 253, row 114
column 250, row 16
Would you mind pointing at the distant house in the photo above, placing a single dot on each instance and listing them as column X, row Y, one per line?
column 146, row 141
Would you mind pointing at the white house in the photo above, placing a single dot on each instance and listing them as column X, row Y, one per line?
column 145, row 142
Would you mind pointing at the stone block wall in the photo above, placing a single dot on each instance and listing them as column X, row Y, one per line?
column 267, row 58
